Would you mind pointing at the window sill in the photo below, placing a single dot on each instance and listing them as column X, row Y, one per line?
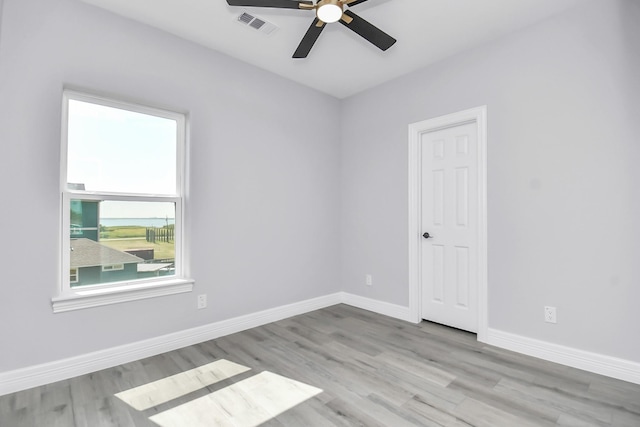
column 81, row 299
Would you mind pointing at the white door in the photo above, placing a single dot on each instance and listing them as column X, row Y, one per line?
column 449, row 214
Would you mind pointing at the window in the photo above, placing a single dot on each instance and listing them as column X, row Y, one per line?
column 122, row 179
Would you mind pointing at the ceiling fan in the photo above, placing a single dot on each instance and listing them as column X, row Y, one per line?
column 327, row 12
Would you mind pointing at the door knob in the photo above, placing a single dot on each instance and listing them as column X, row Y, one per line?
column 426, row 235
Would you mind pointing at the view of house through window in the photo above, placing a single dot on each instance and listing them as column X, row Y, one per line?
column 109, row 243
column 122, row 192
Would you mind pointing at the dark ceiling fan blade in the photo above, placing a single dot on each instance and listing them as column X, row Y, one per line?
column 370, row 32
column 283, row 4
column 354, row 2
column 309, row 39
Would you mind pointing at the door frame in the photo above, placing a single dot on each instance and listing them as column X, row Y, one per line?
column 478, row 116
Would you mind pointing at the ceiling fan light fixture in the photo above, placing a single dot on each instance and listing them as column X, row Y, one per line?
column 329, row 11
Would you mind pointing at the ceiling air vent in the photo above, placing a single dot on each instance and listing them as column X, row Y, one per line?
column 256, row 23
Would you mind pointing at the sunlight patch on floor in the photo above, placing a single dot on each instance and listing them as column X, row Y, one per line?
column 153, row 394
column 247, row 403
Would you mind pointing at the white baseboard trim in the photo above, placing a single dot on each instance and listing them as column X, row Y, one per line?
column 34, row 376
column 587, row 361
column 377, row 306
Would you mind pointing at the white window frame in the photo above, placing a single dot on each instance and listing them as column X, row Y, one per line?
column 70, row 298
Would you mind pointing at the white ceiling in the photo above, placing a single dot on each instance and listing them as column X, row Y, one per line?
column 342, row 63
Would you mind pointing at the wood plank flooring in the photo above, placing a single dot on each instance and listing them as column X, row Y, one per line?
column 339, row 366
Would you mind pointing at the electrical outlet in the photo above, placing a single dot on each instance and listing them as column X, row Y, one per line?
column 550, row 314
column 202, row 301
column 368, row 280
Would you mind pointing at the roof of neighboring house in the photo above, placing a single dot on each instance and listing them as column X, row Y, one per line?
column 150, row 268
column 88, row 253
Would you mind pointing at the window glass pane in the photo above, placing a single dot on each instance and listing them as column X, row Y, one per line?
column 114, row 241
column 120, row 151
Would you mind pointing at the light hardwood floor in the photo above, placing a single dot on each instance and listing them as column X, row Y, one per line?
column 339, row 366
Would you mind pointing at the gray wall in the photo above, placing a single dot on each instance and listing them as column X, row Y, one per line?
column 563, row 103
column 1, row 7
column 264, row 194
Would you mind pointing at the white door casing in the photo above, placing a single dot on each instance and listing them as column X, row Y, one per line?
column 447, row 199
